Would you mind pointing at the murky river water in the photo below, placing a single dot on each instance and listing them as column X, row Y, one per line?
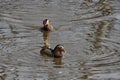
column 88, row 29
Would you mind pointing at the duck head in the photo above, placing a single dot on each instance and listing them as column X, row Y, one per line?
column 46, row 24
column 58, row 51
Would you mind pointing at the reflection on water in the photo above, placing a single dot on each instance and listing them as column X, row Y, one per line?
column 46, row 37
column 89, row 30
column 102, row 30
column 98, row 35
column 58, row 62
column 104, row 7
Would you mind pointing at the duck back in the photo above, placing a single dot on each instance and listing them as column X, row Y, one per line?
column 48, row 52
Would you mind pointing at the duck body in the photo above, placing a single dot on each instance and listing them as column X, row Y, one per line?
column 57, row 52
column 47, row 52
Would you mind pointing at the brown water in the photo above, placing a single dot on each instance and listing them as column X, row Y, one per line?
column 88, row 29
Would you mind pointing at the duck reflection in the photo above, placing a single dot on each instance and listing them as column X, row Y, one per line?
column 104, row 7
column 58, row 61
column 46, row 38
column 102, row 29
column 98, row 35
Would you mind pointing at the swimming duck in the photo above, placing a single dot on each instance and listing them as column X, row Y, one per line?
column 57, row 52
column 47, row 26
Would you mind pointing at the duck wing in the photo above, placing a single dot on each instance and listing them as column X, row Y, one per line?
column 48, row 52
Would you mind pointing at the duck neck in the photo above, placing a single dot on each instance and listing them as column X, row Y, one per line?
column 47, row 27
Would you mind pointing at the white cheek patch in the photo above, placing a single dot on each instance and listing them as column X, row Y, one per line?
column 47, row 22
column 61, row 47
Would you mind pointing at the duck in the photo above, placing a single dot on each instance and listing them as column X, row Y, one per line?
column 47, row 27
column 46, row 30
column 57, row 52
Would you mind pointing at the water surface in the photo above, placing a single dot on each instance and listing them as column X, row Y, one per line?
column 88, row 29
